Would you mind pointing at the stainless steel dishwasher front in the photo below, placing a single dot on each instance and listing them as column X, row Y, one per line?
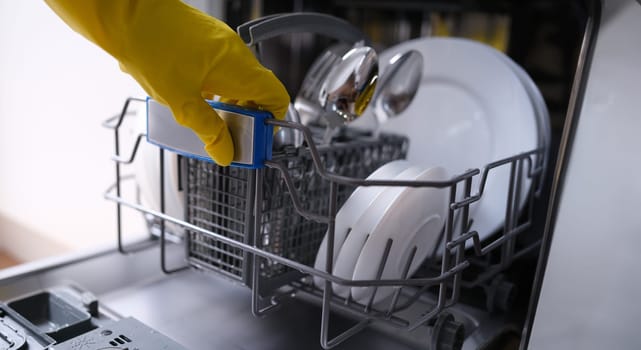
column 588, row 284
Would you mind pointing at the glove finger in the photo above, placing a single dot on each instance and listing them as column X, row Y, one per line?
column 275, row 100
column 246, row 104
column 197, row 115
column 252, row 83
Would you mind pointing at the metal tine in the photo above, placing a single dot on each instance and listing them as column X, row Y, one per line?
column 444, row 267
column 413, row 298
column 442, row 290
column 489, row 167
column 515, row 207
column 460, row 249
column 535, row 171
column 531, row 196
column 479, row 250
column 327, row 292
column 293, row 194
column 445, row 259
column 532, row 173
column 163, row 241
column 110, row 123
column 120, row 117
column 537, row 175
column 379, row 273
column 508, row 240
column 509, row 216
column 116, row 128
column 533, row 168
column 123, row 160
column 397, row 322
column 397, row 292
column 440, row 304
column 329, row 257
column 348, row 300
column 540, row 167
column 255, row 287
column 423, row 288
column 507, row 226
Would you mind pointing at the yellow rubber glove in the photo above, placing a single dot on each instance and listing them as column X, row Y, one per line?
column 180, row 56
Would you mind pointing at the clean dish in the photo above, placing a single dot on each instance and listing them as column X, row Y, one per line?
column 538, row 102
column 354, row 207
column 363, row 226
column 413, row 217
column 470, row 110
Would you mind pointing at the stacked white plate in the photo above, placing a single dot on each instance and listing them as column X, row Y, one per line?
column 410, row 217
column 474, row 106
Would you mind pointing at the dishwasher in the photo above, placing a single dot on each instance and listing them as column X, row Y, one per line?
column 232, row 266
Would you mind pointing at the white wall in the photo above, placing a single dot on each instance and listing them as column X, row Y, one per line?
column 55, row 90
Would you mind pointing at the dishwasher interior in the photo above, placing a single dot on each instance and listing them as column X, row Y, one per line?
column 231, row 259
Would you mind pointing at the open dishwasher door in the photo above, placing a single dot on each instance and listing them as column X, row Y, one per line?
column 589, row 287
column 260, row 242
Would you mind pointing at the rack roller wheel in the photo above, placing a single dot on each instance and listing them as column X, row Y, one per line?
column 447, row 333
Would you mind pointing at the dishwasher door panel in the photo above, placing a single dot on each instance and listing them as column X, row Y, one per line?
column 589, row 296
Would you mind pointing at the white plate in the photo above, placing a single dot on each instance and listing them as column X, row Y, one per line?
column 414, row 217
column 470, row 110
column 538, row 102
column 354, row 207
column 361, row 229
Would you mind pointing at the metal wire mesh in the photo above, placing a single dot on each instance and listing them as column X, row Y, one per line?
column 220, row 200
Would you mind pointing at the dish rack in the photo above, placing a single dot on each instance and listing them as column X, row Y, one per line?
column 263, row 227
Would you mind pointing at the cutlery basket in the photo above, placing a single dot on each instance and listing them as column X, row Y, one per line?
column 221, row 199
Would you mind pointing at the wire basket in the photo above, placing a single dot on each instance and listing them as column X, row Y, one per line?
column 220, row 199
column 262, row 227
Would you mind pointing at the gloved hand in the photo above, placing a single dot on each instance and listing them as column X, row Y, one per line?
column 180, row 55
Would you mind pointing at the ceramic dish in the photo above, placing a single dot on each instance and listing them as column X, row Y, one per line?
column 538, row 102
column 470, row 110
column 354, row 207
column 363, row 226
column 414, row 217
